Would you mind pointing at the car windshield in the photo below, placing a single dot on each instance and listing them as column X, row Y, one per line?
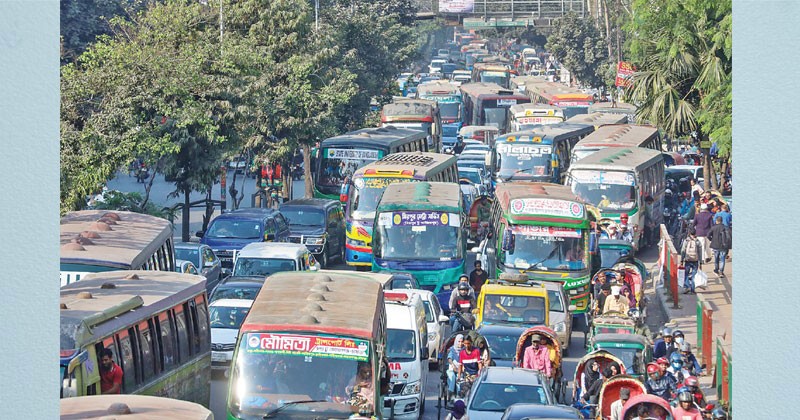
column 234, row 293
column 274, row 369
column 495, row 117
column 528, row 310
column 521, row 160
column 504, row 347
column 401, row 345
column 472, row 176
column 497, row 397
column 303, row 216
column 406, row 235
column 605, row 190
column 262, row 266
column 227, row 316
column 364, row 199
column 234, row 229
column 187, row 254
column 449, row 131
column 450, row 110
column 547, row 248
column 338, row 163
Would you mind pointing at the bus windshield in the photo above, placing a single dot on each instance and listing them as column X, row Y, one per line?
column 292, row 368
column 497, row 77
column 523, row 160
column 365, row 198
column 450, row 110
column 605, row 190
column 432, row 235
column 547, row 248
column 338, row 163
column 515, row 309
column 425, row 127
column 495, row 117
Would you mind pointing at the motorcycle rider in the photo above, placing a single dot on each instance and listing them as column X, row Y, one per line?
column 693, row 385
column 689, row 360
column 663, row 386
column 464, row 304
column 676, row 368
column 454, row 293
column 686, row 409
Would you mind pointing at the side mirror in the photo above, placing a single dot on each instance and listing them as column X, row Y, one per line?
column 225, row 272
column 443, row 319
column 572, row 308
column 199, row 233
column 508, row 241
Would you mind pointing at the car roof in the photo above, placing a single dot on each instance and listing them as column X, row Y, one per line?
column 522, row 410
column 272, row 250
column 512, row 376
column 188, row 245
column 497, row 329
column 310, row 202
column 232, row 303
column 239, row 281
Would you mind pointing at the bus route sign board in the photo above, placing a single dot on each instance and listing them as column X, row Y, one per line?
column 421, row 218
column 308, row 345
column 561, row 208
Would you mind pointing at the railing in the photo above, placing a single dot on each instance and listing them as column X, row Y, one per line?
column 704, row 331
column 533, row 9
column 723, row 376
column 668, row 262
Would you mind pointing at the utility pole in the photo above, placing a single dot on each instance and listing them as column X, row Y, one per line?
column 316, row 15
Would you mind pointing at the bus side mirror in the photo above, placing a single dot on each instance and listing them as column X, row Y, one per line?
column 343, row 193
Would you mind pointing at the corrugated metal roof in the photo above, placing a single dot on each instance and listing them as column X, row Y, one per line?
column 620, row 158
column 619, row 134
column 506, row 192
column 421, row 196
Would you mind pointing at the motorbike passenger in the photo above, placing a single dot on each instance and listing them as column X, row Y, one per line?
column 689, row 360
column 663, row 364
column 464, row 304
column 662, row 386
column 686, row 409
column 676, row 368
column 693, row 385
column 719, row 414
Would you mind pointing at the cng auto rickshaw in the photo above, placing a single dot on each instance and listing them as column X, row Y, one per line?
column 549, row 339
column 634, row 350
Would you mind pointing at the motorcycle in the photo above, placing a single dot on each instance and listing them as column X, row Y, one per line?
column 142, row 174
column 466, row 321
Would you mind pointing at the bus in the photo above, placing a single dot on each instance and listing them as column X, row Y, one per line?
column 340, row 156
column 132, row 407
column 540, row 230
column 491, row 73
column 526, row 116
column 617, row 135
column 540, row 154
column 488, row 103
column 416, row 114
column 360, row 194
column 571, row 100
column 619, row 108
column 421, row 229
column 447, row 96
column 307, row 338
column 155, row 324
column 618, row 180
column 94, row 241
column 599, row 119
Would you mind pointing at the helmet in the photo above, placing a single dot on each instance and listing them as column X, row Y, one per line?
column 667, row 331
column 463, row 286
column 677, row 333
column 692, row 381
column 685, row 396
column 675, row 357
column 668, row 192
column 662, row 361
column 686, row 347
column 718, row 413
column 652, row 368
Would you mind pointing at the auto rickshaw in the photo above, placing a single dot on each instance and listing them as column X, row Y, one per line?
column 610, row 393
column 635, row 350
column 446, row 398
column 550, row 340
column 603, row 358
column 657, row 408
column 513, row 302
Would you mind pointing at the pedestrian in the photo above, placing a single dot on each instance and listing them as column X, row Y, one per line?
column 616, row 406
column 477, row 277
column 459, row 411
column 725, row 215
column 617, row 303
column 690, row 258
column 650, row 221
column 110, row 373
column 720, row 240
column 703, row 221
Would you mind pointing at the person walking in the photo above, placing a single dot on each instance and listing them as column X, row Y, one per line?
column 703, row 221
column 477, row 278
column 690, row 258
column 720, row 240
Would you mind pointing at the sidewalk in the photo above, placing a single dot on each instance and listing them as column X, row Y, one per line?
column 718, row 295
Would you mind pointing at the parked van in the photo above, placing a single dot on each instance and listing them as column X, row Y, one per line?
column 407, row 352
column 265, row 259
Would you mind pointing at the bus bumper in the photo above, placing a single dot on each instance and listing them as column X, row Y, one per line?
column 358, row 258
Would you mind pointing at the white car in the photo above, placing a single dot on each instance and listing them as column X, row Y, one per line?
column 436, row 65
column 476, row 147
column 437, row 322
column 226, row 317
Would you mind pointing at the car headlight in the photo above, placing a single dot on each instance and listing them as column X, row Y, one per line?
column 431, row 336
column 315, row 241
column 411, row 388
column 560, row 327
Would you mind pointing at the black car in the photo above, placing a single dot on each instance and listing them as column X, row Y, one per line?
column 319, row 225
column 502, row 339
column 237, row 287
column 538, row 411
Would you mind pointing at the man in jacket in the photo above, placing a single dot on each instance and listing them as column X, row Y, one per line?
column 691, row 253
column 720, row 238
column 663, row 386
column 455, row 295
column 702, row 225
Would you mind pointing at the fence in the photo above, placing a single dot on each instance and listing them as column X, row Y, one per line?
column 704, row 331
column 723, row 376
column 668, row 263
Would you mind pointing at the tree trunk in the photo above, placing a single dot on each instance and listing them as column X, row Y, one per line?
column 307, row 171
column 185, row 218
column 608, row 27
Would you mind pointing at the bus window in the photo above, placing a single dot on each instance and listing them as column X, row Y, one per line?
column 148, row 354
column 129, row 374
column 202, row 323
column 167, row 342
column 184, row 350
column 194, row 328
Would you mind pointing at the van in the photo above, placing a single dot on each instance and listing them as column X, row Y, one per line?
column 407, row 352
column 231, row 231
column 265, row 259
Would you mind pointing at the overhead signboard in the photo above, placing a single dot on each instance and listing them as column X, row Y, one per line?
column 561, row 208
column 456, row 6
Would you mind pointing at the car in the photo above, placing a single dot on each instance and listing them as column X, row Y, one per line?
column 438, row 324
column 560, row 312
column 537, row 411
column 476, row 147
column 226, row 317
column 401, row 280
column 237, row 287
column 238, row 164
column 676, row 172
column 231, row 231
column 497, row 388
column 319, row 225
column 476, row 176
column 203, row 257
column 502, row 339
column 187, row 267
column 267, row 258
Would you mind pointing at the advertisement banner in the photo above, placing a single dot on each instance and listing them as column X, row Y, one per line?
column 419, row 218
column 603, row 177
column 547, row 231
column 308, row 345
column 547, row 206
column 456, row 6
column 624, row 72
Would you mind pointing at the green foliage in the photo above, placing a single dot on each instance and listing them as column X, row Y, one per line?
column 84, row 20
column 579, row 46
column 132, row 201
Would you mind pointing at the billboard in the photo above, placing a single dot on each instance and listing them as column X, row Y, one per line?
column 456, row 6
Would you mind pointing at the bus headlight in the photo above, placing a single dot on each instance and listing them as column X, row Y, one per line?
column 411, row 388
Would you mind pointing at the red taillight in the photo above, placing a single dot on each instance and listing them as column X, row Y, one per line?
column 395, row 296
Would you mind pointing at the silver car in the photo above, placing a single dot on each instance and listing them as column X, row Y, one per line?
column 497, row 388
column 560, row 312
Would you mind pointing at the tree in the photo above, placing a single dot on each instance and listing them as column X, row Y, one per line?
column 84, row 20
column 578, row 46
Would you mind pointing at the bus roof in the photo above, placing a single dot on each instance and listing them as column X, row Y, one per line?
column 406, row 163
column 548, row 132
column 598, row 119
column 629, row 158
column 421, row 108
column 491, row 66
column 613, row 108
column 619, row 135
column 421, row 196
column 556, row 91
column 103, row 303
column 521, row 108
column 121, row 240
column 142, row 407
column 480, row 88
column 519, row 200
column 383, row 137
column 326, row 302
column 437, row 87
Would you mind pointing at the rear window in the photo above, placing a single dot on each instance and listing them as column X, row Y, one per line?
column 235, row 293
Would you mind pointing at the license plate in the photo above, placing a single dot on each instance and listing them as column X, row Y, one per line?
column 218, row 357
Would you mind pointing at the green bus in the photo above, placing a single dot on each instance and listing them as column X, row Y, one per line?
column 421, row 228
column 339, row 157
column 156, row 325
column 541, row 230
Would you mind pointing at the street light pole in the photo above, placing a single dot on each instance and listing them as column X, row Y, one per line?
column 316, row 14
column 220, row 24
